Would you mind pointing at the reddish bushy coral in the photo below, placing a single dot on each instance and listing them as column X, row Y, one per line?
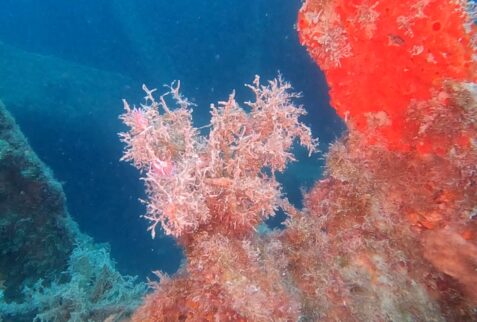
column 394, row 233
column 216, row 183
column 225, row 280
column 212, row 193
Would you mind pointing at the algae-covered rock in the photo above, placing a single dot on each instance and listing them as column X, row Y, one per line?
column 35, row 237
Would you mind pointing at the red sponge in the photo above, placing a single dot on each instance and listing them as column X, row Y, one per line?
column 379, row 56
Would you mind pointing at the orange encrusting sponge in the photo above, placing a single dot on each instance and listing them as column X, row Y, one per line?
column 381, row 55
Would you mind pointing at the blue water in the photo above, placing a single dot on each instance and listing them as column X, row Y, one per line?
column 211, row 46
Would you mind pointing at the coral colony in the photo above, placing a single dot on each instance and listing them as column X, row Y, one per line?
column 389, row 234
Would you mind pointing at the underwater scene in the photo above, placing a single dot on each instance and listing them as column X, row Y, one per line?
column 254, row 160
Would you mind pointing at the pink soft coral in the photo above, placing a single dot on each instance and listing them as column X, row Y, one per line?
column 211, row 192
column 215, row 183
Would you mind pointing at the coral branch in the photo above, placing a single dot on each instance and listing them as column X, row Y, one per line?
column 219, row 182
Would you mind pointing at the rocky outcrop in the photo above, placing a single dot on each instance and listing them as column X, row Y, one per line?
column 36, row 233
